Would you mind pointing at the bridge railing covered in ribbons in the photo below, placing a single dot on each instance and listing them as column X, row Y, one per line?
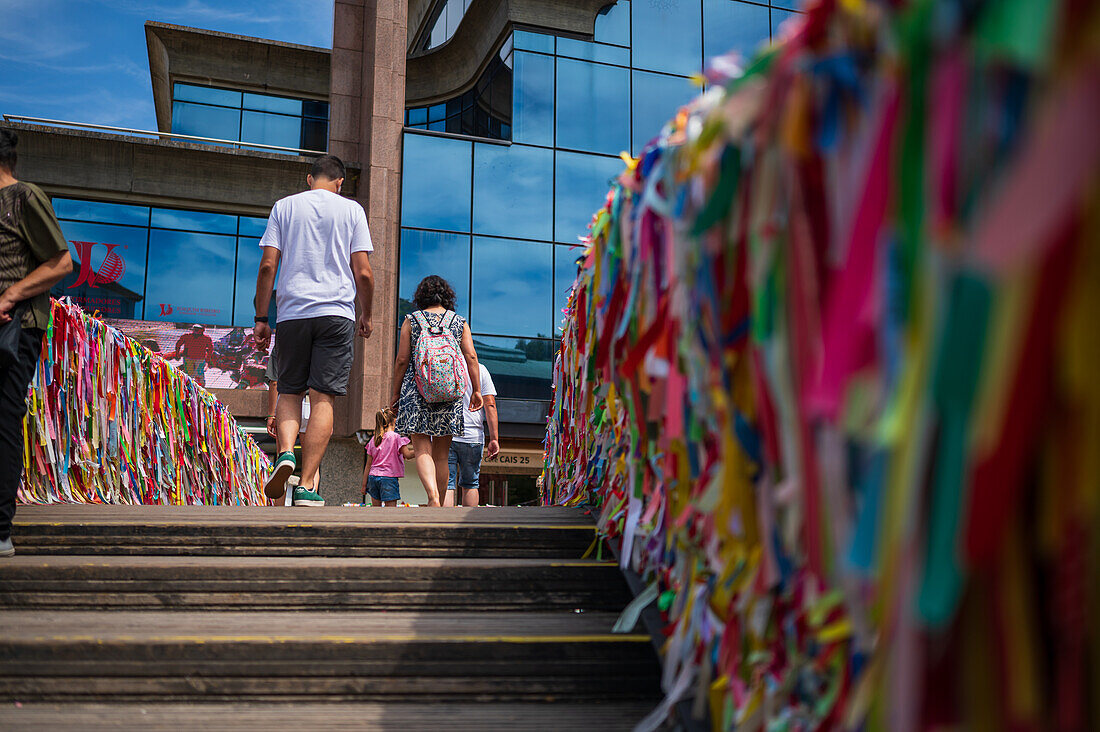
column 829, row 373
column 109, row 421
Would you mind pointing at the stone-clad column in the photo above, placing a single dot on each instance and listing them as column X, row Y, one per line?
column 366, row 119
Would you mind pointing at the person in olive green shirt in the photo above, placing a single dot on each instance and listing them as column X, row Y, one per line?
column 34, row 256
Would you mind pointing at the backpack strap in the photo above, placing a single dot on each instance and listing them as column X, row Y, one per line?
column 448, row 319
column 422, row 319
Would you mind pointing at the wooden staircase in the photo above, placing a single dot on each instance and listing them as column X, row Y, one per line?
column 244, row 618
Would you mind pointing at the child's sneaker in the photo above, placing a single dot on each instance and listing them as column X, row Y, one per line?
column 306, row 497
column 275, row 486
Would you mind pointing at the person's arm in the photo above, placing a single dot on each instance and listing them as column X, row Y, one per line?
column 42, row 233
column 41, row 279
column 493, row 446
column 364, row 288
column 401, row 364
column 366, row 474
column 407, row 452
column 471, row 368
column 265, row 283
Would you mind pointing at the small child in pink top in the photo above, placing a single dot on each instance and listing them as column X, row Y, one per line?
column 386, row 455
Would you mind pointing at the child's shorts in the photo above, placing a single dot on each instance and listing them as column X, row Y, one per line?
column 383, row 488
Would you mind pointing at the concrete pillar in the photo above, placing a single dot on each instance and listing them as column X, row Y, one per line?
column 367, row 114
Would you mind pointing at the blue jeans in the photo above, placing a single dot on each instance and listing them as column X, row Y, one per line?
column 383, row 488
column 465, row 466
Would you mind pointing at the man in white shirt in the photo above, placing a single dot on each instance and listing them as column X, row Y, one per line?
column 322, row 242
column 466, row 450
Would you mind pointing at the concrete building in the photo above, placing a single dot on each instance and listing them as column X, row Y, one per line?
column 479, row 137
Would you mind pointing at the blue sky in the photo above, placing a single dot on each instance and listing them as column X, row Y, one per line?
column 86, row 60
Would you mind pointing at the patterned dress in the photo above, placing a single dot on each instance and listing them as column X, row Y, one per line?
column 414, row 415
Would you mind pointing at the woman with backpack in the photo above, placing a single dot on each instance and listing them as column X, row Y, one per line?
column 434, row 342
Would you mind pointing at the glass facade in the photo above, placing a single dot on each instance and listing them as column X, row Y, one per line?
column 226, row 114
column 158, row 264
column 483, row 111
column 501, row 222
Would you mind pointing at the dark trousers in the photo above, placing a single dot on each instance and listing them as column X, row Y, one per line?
column 14, row 380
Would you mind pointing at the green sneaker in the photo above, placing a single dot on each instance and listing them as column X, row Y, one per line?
column 306, row 497
column 275, row 486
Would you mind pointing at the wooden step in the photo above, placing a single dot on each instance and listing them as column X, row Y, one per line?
column 305, row 532
column 264, row 717
column 297, row 583
column 349, row 656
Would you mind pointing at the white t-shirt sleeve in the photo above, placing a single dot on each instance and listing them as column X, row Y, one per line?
column 271, row 237
column 487, row 386
column 360, row 234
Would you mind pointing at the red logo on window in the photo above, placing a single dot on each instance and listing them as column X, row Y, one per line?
column 165, row 309
column 110, row 269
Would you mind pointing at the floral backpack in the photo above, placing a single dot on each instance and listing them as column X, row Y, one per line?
column 437, row 361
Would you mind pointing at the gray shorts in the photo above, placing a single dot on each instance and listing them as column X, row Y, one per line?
column 315, row 353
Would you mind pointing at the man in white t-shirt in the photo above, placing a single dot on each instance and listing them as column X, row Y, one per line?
column 466, row 450
column 322, row 243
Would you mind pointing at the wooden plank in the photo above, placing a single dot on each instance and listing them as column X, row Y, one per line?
column 342, row 626
column 159, row 717
column 69, row 513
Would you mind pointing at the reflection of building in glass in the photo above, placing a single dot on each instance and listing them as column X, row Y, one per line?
column 179, row 264
column 484, row 168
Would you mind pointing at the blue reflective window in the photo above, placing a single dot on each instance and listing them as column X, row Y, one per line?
column 778, row 18
column 528, row 41
column 107, row 213
column 248, row 264
column 613, row 24
column 666, row 36
column 206, row 95
column 171, row 218
column 656, row 99
column 521, row 367
column 581, row 183
column 511, row 287
column 267, row 103
column 202, row 120
column 436, row 183
column 733, row 26
column 417, row 116
column 271, row 129
column 593, row 111
column 190, row 277
column 426, row 253
column 112, row 280
column 513, row 191
column 598, row 52
column 565, row 272
column 788, row 4
column 533, row 99
column 252, row 226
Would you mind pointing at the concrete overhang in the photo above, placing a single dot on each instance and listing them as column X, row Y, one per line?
column 155, row 172
column 454, row 67
column 179, row 53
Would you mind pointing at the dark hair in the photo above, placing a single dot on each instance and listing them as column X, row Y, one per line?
column 8, row 156
column 434, row 290
column 328, row 166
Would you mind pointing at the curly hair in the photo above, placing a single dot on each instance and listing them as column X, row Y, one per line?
column 434, row 290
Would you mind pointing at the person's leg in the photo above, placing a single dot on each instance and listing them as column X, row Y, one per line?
column 330, row 356
column 441, row 448
column 452, row 477
column 423, row 448
column 390, row 490
column 14, row 380
column 471, row 472
column 318, row 432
